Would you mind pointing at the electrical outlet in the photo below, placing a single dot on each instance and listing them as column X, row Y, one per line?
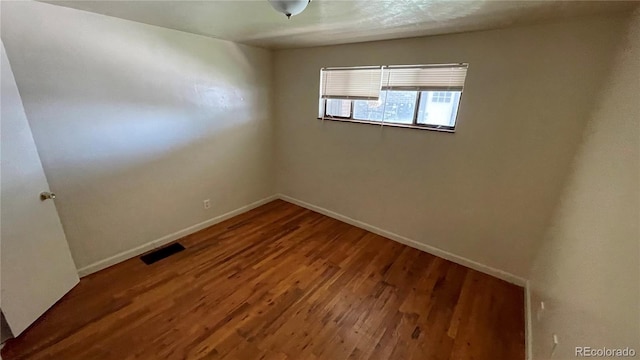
column 207, row 204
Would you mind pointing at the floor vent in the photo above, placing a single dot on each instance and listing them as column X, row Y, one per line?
column 161, row 253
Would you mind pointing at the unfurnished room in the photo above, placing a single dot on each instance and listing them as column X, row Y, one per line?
column 322, row 180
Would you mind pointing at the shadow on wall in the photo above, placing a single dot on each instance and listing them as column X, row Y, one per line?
column 586, row 269
column 136, row 125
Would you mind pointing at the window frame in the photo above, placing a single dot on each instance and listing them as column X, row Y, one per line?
column 414, row 124
column 324, row 110
column 322, row 113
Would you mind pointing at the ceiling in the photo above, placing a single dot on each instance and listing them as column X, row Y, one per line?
column 327, row 22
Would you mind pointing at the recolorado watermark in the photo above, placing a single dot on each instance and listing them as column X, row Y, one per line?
column 604, row 352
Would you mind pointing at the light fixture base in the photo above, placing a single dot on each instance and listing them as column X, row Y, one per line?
column 289, row 7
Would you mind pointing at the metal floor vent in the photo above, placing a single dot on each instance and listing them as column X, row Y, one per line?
column 161, row 253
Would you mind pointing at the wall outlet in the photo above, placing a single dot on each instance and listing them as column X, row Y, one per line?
column 207, row 204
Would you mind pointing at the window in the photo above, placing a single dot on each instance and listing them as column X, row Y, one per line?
column 338, row 108
column 421, row 96
column 393, row 106
column 441, row 97
column 438, row 108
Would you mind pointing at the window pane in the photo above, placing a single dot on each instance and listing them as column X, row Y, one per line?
column 438, row 107
column 339, row 108
column 393, row 106
column 369, row 110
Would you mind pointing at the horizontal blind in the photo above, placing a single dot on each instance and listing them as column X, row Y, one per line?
column 425, row 77
column 359, row 83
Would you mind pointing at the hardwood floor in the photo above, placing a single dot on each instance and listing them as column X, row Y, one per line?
column 283, row 282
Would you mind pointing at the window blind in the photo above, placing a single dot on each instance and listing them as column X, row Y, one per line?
column 446, row 77
column 358, row 83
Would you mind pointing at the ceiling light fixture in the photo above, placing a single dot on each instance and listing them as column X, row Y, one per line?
column 289, row 7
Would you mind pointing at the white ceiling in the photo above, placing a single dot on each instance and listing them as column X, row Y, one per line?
column 327, row 22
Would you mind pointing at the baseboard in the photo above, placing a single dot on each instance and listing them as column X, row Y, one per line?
column 125, row 255
column 528, row 330
column 500, row 274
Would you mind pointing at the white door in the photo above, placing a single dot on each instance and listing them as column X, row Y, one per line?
column 36, row 267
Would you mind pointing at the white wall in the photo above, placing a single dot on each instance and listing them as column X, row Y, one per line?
column 485, row 193
column 588, row 269
column 137, row 124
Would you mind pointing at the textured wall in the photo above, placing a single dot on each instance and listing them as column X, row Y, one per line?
column 486, row 192
column 136, row 125
column 588, row 270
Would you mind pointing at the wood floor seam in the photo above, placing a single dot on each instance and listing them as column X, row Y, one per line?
column 283, row 282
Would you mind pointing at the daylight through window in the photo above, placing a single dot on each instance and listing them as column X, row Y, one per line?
column 420, row 96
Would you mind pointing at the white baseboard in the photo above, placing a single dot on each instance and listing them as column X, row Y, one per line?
column 125, row 255
column 500, row 274
column 528, row 330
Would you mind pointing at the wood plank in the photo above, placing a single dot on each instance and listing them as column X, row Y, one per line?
column 283, row 282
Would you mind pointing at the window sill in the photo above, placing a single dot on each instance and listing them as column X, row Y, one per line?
column 404, row 126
